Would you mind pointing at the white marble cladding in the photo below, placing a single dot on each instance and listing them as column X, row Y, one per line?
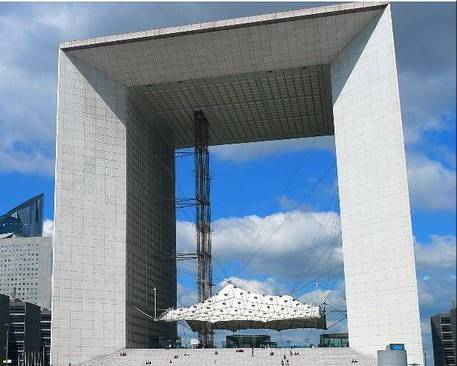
column 380, row 275
column 89, row 282
column 220, row 24
column 151, row 227
column 299, row 41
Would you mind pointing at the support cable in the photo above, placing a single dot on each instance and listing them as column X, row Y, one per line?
column 244, row 264
column 284, row 191
column 337, row 322
column 305, row 268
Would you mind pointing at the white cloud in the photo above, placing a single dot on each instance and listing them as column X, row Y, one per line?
column 435, row 295
column 432, row 186
column 424, row 99
column 267, row 287
column 414, row 132
column 48, row 228
column 28, row 81
column 425, row 328
column 435, row 268
column 258, row 150
column 27, row 99
column 294, row 244
column 286, row 203
column 440, row 253
column 33, row 162
column 186, row 296
column 335, row 298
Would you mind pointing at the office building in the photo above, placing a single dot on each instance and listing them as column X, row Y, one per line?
column 19, row 321
column 24, row 337
column 45, row 326
column 443, row 337
column 4, row 321
column 126, row 102
column 25, row 219
column 453, row 317
column 26, row 269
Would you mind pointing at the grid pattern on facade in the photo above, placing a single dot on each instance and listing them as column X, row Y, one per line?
column 26, row 268
column 379, row 267
column 268, row 105
column 267, row 42
column 89, row 233
column 150, row 230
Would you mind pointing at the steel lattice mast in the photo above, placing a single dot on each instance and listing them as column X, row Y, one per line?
column 203, row 217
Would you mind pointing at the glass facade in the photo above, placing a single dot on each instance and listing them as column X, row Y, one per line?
column 24, row 334
column 25, row 219
column 248, row 341
column 334, row 340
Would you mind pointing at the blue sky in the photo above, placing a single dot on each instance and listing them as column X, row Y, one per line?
column 257, row 186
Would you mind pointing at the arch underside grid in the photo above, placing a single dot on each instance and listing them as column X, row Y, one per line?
column 260, row 106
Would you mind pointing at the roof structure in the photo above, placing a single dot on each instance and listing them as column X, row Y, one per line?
column 259, row 78
column 234, row 309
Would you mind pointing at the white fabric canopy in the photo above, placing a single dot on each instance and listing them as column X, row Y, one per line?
column 234, row 308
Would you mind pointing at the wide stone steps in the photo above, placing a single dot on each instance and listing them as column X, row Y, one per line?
column 229, row 357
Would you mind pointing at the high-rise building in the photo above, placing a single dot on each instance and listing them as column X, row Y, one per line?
column 24, row 340
column 443, row 337
column 453, row 314
column 45, row 327
column 25, row 333
column 4, row 322
column 25, row 219
column 26, row 269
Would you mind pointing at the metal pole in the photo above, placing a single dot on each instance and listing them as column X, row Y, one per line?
column 155, row 303
column 7, row 340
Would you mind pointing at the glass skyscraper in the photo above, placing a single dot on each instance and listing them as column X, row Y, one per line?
column 25, row 219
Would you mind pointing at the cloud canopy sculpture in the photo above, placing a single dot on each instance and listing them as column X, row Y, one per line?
column 234, row 309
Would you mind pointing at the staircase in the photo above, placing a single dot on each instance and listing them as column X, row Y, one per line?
column 229, row 357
